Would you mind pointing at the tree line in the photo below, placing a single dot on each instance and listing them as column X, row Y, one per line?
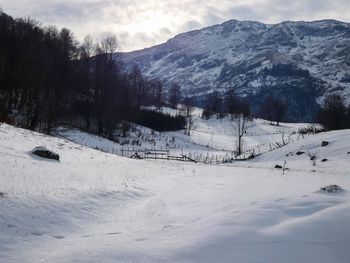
column 48, row 78
column 272, row 108
column 335, row 113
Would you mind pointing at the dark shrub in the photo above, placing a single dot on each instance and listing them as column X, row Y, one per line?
column 159, row 121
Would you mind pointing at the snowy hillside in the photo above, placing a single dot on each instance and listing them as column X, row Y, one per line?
column 331, row 158
column 214, row 137
column 98, row 207
column 292, row 59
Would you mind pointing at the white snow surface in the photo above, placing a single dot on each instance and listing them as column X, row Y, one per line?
column 98, row 207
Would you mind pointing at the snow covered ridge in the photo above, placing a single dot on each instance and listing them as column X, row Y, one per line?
column 98, row 207
column 313, row 57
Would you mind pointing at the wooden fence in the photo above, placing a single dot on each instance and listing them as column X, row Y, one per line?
column 155, row 154
column 202, row 157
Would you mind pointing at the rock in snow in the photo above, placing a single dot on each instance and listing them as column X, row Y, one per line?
column 45, row 153
column 332, row 189
column 324, row 143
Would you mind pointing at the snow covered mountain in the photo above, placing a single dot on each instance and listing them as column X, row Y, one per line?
column 297, row 61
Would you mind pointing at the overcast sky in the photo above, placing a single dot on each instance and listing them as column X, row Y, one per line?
column 144, row 23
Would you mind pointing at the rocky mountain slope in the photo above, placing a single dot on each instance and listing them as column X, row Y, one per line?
column 299, row 62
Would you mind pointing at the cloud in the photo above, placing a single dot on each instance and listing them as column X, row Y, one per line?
column 274, row 11
column 140, row 24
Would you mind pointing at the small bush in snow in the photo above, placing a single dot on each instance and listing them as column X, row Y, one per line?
column 311, row 130
column 313, row 158
column 332, row 189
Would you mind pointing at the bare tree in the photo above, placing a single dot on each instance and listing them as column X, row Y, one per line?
column 266, row 110
column 106, row 85
column 157, row 87
column 87, row 47
column 215, row 103
column 231, row 101
column 241, row 124
column 333, row 113
column 280, row 110
column 141, row 86
column 273, row 109
column 174, row 95
column 188, row 109
column 109, row 46
column 242, row 121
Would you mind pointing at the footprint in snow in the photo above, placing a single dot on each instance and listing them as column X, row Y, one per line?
column 114, row 233
column 307, row 208
column 140, row 239
column 254, row 203
column 57, row 236
column 36, row 234
column 87, row 236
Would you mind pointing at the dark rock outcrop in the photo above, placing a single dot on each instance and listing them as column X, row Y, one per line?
column 332, row 189
column 324, row 143
column 45, row 153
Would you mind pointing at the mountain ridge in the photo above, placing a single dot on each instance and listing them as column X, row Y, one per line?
column 255, row 59
column 235, row 20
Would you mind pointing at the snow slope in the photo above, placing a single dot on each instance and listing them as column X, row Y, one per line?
column 97, row 207
column 335, row 156
column 213, row 136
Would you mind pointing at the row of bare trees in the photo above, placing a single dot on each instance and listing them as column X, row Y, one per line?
column 271, row 108
column 240, row 112
column 47, row 77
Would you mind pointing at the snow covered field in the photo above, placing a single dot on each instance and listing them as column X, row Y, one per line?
column 213, row 137
column 98, row 207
